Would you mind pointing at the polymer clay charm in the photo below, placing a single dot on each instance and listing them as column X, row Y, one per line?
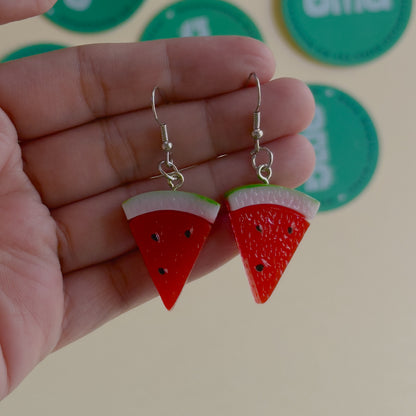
column 268, row 222
column 170, row 229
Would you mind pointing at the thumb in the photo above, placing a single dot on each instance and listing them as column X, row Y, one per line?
column 11, row 10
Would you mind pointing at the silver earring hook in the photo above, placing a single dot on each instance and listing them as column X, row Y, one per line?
column 156, row 88
column 256, row 78
column 264, row 170
column 174, row 177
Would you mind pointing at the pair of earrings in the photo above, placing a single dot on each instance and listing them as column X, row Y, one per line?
column 171, row 227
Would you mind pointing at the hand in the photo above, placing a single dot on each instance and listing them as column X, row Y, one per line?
column 78, row 137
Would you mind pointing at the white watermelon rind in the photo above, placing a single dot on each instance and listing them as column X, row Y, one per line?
column 250, row 195
column 188, row 202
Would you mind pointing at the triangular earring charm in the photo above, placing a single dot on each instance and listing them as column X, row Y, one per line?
column 268, row 222
column 170, row 229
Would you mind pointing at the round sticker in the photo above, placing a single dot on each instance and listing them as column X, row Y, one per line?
column 346, row 147
column 92, row 15
column 346, row 32
column 31, row 50
column 200, row 18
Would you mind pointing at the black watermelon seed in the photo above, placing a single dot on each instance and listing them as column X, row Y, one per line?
column 290, row 230
column 259, row 267
column 259, row 228
column 162, row 271
column 188, row 233
column 155, row 237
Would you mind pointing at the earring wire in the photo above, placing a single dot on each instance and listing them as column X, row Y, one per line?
column 256, row 78
column 264, row 171
column 174, row 177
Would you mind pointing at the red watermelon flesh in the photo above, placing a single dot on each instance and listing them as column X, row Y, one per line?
column 267, row 237
column 268, row 231
column 170, row 242
column 170, row 229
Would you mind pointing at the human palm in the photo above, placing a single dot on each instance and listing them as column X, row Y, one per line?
column 77, row 138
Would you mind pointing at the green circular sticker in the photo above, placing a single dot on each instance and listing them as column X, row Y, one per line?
column 346, row 147
column 200, row 18
column 91, row 15
column 30, row 50
column 346, row 32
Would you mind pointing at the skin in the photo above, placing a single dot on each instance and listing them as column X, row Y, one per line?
column 77, row 138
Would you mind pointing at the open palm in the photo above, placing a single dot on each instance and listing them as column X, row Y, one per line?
column 77, row 138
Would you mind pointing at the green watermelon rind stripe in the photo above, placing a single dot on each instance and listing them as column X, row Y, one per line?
column 191, row 203
column 250, row 195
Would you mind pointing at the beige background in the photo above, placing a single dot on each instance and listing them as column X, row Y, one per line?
column 339, row 335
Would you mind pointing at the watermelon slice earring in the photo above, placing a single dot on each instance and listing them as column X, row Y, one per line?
column 268, row 221
column 170, row 227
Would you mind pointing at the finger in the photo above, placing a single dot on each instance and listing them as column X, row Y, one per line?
column 12, row 10
column 95, row 230
column 65, row 88
column 127, row 148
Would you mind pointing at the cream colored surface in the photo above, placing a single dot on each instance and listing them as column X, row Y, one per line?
column 339, row 335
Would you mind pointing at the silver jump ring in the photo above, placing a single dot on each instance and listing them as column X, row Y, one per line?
column 174, row 178
column 255, row 153
column 264, row 173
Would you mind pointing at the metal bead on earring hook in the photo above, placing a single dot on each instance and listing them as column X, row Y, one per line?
column 174, row 177
column 264, row 171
